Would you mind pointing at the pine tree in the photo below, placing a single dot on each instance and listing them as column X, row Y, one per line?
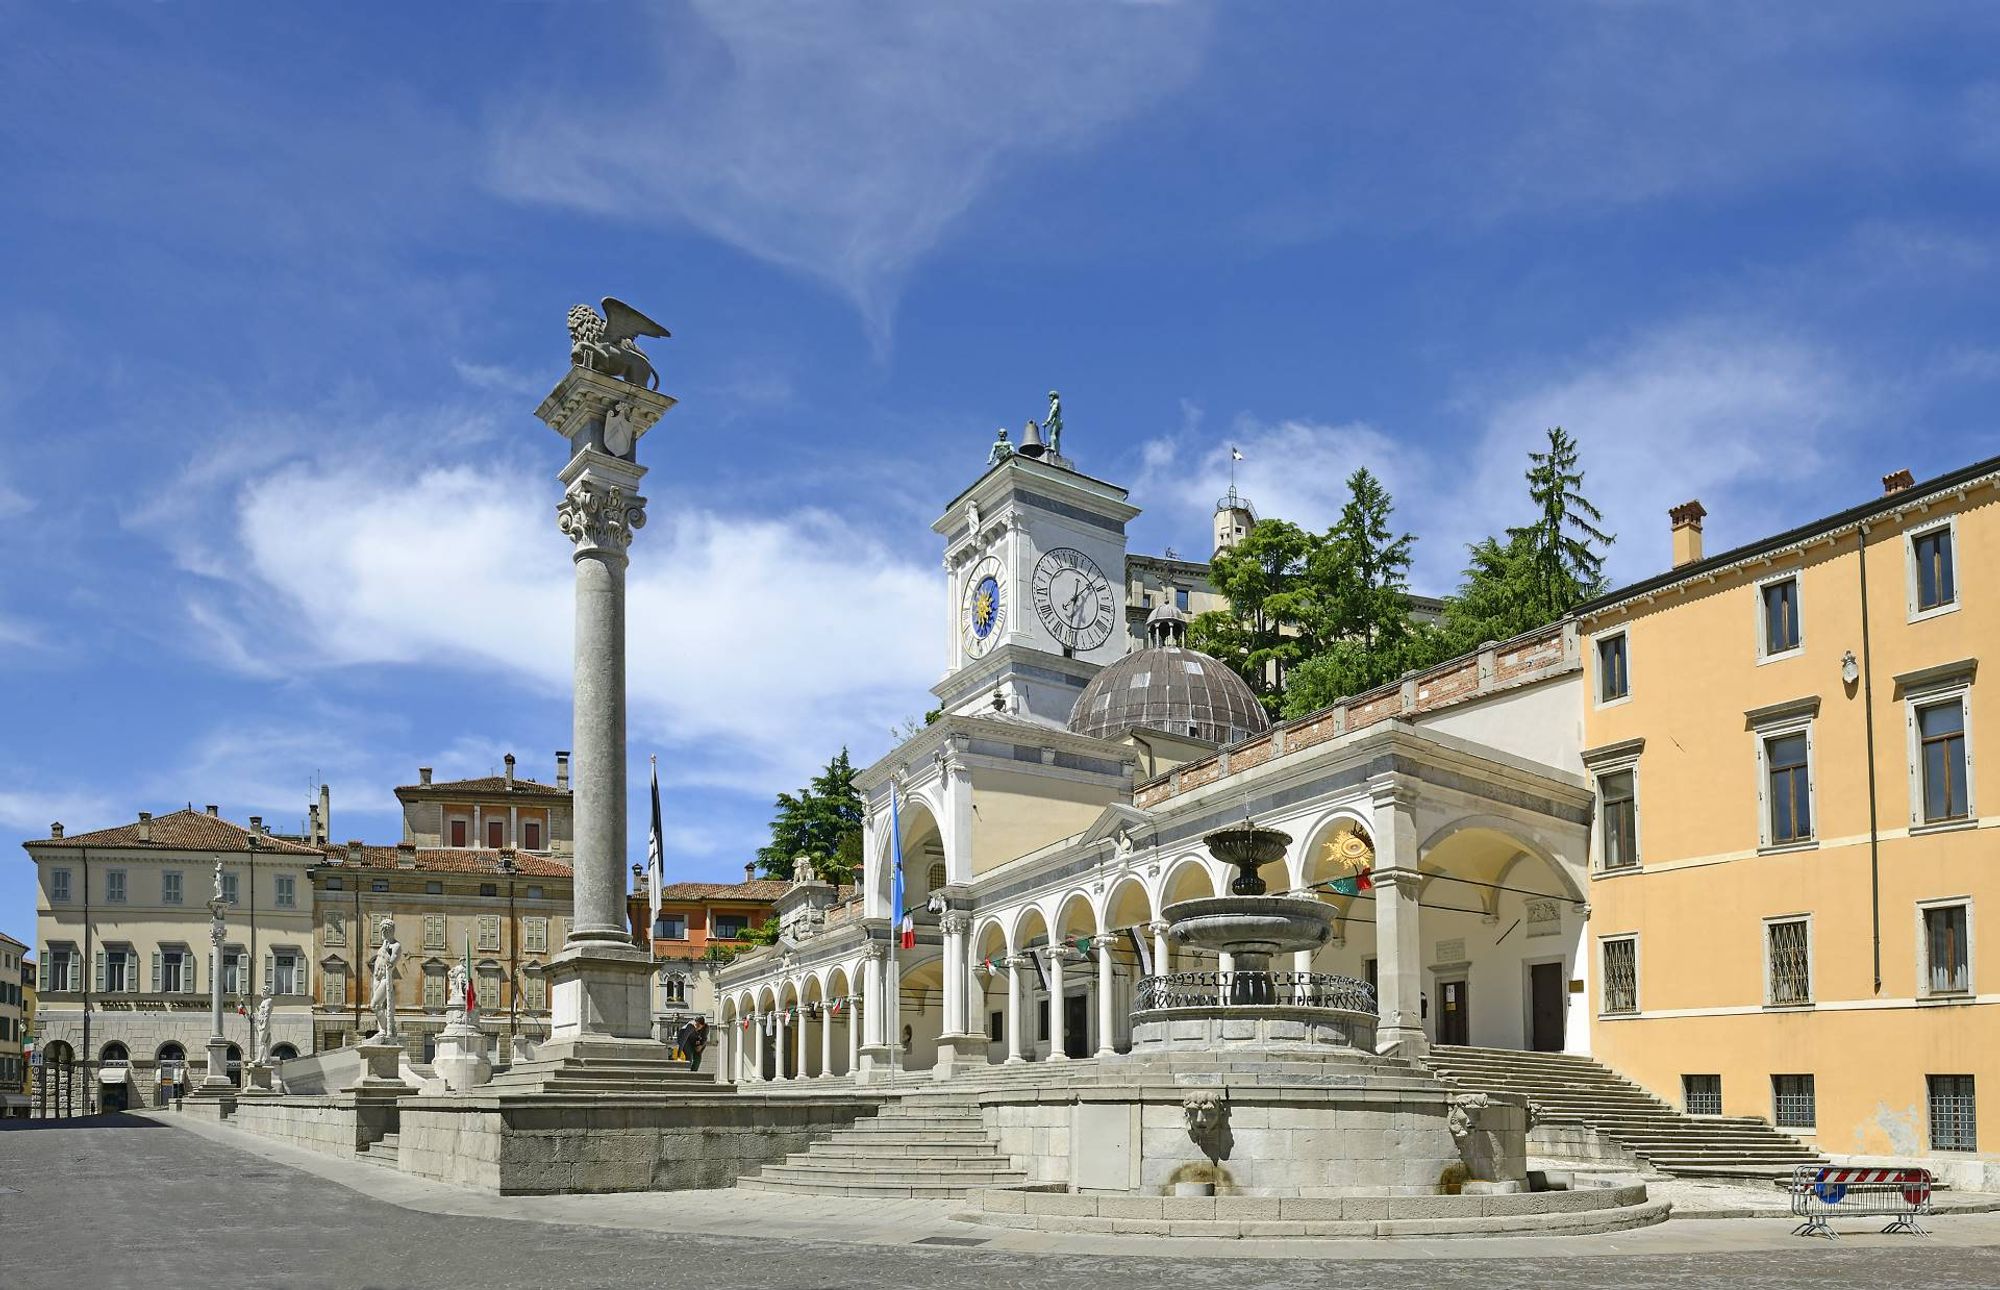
column 1354, row 601
column 1563, row 569
column 823, row 821
column 1259, row 635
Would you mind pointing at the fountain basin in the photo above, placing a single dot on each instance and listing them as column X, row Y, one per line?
column 1258, row 926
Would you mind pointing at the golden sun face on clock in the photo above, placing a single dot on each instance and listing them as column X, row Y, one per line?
column 985, row 610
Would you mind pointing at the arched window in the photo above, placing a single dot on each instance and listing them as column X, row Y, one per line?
column 171, row 1055
column 114, row 1054
column 283, row 1052
column 234, row 1068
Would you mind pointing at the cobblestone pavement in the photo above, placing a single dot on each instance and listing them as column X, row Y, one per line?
column 128, row 1202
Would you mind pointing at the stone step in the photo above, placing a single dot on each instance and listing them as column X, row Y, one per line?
column 911, row 1182
column 881, row 1190
column 900, row 1138
column 857, row 1154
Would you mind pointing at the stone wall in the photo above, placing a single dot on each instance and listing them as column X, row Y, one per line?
column 317, row 1123
column 555, row 1144
column 1269, row 1141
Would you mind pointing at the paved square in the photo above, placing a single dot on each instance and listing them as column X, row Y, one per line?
column 125, row 1201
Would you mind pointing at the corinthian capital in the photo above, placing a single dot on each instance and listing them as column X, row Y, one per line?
column 598, row 516
column 955, row 922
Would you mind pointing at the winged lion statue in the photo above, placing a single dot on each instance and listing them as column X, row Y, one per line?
column 608, row 342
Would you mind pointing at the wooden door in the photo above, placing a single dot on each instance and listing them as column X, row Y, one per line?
column 1076, row 1025
column 1547, row 1004
column 1454, row 1016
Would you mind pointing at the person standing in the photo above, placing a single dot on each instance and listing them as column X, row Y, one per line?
column 692, row 1039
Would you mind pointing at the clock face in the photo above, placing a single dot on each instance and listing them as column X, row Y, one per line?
column 985, row 609
column 1074, row 599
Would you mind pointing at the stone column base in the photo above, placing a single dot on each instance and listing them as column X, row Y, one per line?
column 1408, row 1042
column 602, row 1006
column 381, row 1068
column 257, row 1081
column 461, row 1060
column 874, row 1067
column 957, row 1051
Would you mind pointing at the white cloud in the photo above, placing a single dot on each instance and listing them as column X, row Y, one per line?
column 757, row 644
column 843, row 140
column 33, row 810
column 1747, row 421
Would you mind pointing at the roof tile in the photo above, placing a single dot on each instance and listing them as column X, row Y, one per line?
column 184, row 830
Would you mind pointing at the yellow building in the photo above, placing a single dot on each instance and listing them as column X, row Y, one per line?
column 13, row 1027
column 1790, row 855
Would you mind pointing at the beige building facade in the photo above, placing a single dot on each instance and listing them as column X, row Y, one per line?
column 1792, row 848
column 122, row 926
column 13, row 1028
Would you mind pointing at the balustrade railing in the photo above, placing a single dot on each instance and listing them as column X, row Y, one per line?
column 1219, row 989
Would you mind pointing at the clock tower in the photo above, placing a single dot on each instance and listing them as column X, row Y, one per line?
column 1035, row 588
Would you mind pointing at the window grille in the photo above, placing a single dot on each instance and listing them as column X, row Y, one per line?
column 1941, row 736
column 1781, row 616
column 1791, row 968
column 1701, row 1094
column 1621, row 821
column 1954, row 1123
column 1948, row 952
column 1621, row 976
column 1792, row 1101
column 1936, row 582
column 1785, row 757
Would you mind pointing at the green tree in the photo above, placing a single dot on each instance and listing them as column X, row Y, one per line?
column 1353, row 602
column 1562, row 569
column 1260, row 635
column 823, row 820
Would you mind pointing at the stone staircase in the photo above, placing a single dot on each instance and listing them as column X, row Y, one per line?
column 929, row 1143
column 584, row 1075
column 1569, row 1088
column 382, row 1152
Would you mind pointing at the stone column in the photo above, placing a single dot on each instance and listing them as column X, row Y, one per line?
column 1016, row 966
column 1106, row 1034
column 1163, row 958
column 1058, row 1045
column 602, row 1006
column 216, row 1082
column 825, row 1040
column 799, row 1043
column 853, row 1038
column 872, row 1059
column 955, row 1044
column 1399, row 1027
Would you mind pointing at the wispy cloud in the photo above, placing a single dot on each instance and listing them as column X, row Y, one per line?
column 1748, row 421
column 841, row 141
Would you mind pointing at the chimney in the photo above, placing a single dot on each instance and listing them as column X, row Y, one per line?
column 406, row 855
column 424, row 776
column 750, row 872
column 1687, row 532
column 213, row 814
column 325, row 815
column 145, row 826
column 55, row 830
column 509, row 759
column 256, row 824
column 1897, row 481
column 312, row 821
column 562, row 768
column 354, row 851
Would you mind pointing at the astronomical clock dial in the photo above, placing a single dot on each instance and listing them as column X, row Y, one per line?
column 1074, row 599
column 985, row 609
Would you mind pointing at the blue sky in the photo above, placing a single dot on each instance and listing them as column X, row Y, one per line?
column 280, row 289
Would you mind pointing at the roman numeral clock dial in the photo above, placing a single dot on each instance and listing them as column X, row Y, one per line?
column 1073, row 599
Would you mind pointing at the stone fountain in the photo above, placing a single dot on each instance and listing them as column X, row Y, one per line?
column 1243, row 1002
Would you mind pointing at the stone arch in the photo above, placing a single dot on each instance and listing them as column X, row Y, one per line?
column 114, row 1053
column 923, row 847
column 283, row 1052
column 1129, row 904
column 1188, row 878
column 1504, row 844
column 1076, row 915
column 1030, row 927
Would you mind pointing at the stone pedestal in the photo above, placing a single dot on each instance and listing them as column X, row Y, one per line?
column 257, row 1081
column 874, row 1067
column 954, row 1051
column 461, row 1060
column 381, row 1068
column 216, row 1082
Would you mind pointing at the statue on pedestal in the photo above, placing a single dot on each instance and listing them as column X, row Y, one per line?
column 455, row 982
column 260, row 1030
column 382, row 999
column 607, row 342
column 1052, row 424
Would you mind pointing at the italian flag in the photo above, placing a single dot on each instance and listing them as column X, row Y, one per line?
column 908, row 933
column 1354, row 884
column 471, row 995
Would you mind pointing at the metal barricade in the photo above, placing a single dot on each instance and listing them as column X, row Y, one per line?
column 1823, row 1192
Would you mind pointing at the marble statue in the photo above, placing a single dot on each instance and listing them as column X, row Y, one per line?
column 260, row 1030
column 802, row 869
column 1001, row 449
column 1052, row 424
column 218, row 898
column 382, row 998
column 455, row 982
column 608, row 342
